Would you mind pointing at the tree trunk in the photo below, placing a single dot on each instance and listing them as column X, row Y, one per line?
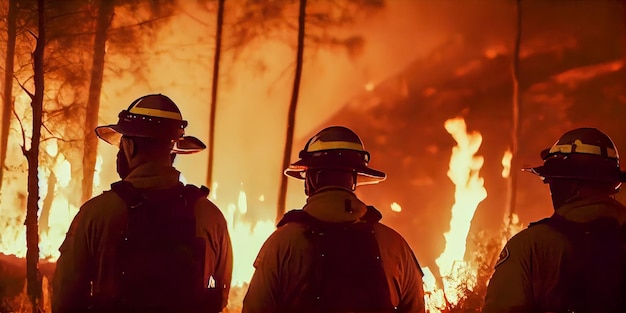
column 33, row 276
column 7, row 107
column 515, row 114
column 46, row 205
column 90, row 153
column 291, row 118
column 216, row 76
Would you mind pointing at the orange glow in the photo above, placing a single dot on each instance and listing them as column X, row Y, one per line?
column 494, row 51
column 574, row 76
column 416, row 60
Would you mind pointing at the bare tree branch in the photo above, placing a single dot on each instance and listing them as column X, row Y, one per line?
column 23, row 145
column 60, row 139
column 32, row 34
column 47, row 129
column 30, row 95
column 146, row 22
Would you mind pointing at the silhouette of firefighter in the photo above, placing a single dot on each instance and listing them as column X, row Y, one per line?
column 572, row 261
column 151, row 243
column 334, row 255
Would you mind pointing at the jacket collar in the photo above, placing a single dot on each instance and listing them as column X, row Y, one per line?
column 152, row 175
column 335, row 205
column 590, row 209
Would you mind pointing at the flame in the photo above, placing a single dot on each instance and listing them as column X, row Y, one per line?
column 464, row 173
column 433, row 295
column 506, row 163
column 247, row 238
column 56, row 190
column 396, row 207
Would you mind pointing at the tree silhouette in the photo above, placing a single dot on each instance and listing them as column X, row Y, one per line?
column 7, row 107
column 32, row 155
column 90, row 152
column 293, row 105
column 259, row 19
column 214, row 89
column 512, row 180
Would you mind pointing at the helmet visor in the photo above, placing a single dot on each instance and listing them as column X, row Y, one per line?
column 366, row 175
column 112, row 134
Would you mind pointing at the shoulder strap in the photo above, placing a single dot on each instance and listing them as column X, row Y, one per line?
column 606, row 227
column 134, row 197
column 371, row 216
column 539, row 222
column 131, row 195
column 298, row 216
column 193, row 193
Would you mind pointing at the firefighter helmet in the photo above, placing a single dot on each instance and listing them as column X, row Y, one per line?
column 582, row 153
column 152, row 116
column 336, row 147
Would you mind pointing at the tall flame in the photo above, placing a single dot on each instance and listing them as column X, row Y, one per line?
column 469, row 192
column 247, row 237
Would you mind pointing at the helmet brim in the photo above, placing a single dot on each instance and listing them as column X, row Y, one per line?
column 188, row 145
column 112, row 135
column 544, row 172
column 366, row 175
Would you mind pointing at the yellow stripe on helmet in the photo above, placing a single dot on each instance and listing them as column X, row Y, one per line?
column 330, row 145
column 156, row 113
column 580, row 147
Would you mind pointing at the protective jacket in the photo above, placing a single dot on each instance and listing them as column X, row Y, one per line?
column 283, row 265
column 86, row 267
column 530, row 272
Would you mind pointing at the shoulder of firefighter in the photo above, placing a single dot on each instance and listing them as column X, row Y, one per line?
column 86, row 267
column 284, row 263
column 536, row 263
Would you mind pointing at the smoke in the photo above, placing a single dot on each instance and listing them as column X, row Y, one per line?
column 255, row 87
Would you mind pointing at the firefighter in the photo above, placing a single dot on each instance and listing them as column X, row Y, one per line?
column 93, row 270
column 334, row 255
column 573, row 260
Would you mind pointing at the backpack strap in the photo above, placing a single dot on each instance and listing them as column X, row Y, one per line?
column 335, row 247
column 193, row 193
column 297, row 216
column 135, row 197
column 131, row 195
column 166, row 208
